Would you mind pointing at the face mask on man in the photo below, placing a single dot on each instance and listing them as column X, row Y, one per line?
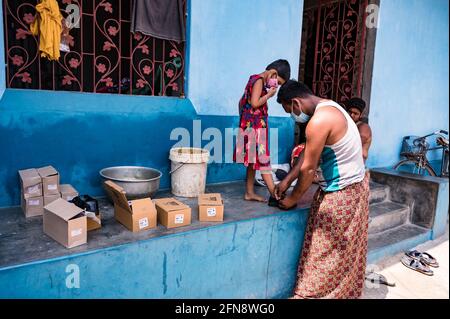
column 302, row 118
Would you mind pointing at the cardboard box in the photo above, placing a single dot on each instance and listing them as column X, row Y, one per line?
column 50, row 198
column 90, row 205
column 66, row 223
column 33, row 206
column 210, row 208
column 172, row 213
column 50, row 180
column 136, row 215
column 67, row 192
column 31, row 183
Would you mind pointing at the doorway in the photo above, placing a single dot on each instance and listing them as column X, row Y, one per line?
column 336, row 58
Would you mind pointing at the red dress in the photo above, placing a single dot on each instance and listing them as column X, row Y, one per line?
column 252, row 145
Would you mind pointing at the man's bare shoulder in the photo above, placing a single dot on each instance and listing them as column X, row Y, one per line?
column 324, row 119
column 328, row 114
column 364, row 128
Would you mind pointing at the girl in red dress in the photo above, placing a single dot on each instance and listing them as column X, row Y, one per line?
column 252, row 147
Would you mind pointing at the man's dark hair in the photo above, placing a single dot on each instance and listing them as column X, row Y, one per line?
column 282, row 67
column 292, row 89
column 356, row 103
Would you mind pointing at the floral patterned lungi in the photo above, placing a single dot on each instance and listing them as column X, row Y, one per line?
column 333, row 259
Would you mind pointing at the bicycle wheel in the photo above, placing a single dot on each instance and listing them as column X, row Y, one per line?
column 411, row 166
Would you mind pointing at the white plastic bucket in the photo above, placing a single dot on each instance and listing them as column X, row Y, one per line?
column 188, row 171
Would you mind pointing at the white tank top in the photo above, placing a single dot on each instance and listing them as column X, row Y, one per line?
column 341, row 164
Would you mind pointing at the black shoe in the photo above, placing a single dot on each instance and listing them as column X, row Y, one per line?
column 273, row 202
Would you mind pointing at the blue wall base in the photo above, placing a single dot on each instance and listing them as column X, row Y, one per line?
column 254, row 258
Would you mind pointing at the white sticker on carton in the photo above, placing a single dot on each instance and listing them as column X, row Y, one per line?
column 143, row 222
column 76, row 232
column 33, row 189
column 179, row 219
column 34, row 202
column 211, row 211
column 52, row 187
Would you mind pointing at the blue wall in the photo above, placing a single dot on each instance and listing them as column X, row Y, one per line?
column 411, row 75
column 232, row 39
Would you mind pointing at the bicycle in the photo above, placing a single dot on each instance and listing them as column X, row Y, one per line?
column 415, row 149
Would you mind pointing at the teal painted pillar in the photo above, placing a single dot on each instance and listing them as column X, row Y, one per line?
column 2, row 55
column 441, row 215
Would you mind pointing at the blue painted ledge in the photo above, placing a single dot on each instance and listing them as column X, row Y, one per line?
column 254, row 258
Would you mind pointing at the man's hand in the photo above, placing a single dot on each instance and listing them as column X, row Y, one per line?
column 287, row 203
column 280, row 188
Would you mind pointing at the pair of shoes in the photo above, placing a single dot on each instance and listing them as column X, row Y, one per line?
column 417, row 265
column 425, row 258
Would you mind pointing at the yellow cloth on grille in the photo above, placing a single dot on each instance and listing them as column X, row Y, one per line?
column 48, row 25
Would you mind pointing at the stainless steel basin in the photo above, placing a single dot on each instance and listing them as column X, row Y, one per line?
column 137, row 181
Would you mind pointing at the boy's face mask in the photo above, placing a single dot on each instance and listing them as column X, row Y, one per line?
column 302, row 118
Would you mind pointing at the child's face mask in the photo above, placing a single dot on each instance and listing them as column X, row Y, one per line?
column 272, row 83
column 302, row 118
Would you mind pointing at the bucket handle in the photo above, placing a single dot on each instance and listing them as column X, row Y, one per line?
column 176, row 169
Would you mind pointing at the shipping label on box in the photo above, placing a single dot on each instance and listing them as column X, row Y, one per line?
column 172, row 213
column 210, row 208
column 30, row 182
column 33, row 206
column 50, row 180
column 66, row 223
column 136, row 215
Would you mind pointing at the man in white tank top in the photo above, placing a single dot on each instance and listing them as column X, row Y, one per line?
column 335, row 246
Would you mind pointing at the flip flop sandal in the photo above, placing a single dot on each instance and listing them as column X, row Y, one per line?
column 373, row 277
column 416, row 265
column 426, row 258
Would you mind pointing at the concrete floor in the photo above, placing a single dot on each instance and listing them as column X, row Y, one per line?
column 411, row 284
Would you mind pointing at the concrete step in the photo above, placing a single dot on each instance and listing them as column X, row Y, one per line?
column 395, row 240
column 386, row 215
column 378, row 192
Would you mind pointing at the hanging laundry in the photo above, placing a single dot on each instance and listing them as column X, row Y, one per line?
column 162, row 19
column 48, row 25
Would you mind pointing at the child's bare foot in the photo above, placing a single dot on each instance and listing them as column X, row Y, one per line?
column 254, row 197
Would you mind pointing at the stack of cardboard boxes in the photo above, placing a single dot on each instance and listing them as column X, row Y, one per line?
column 32, row 201
column 40, row 187
column 67, row 217
column 50, row 184
column 42, row 194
